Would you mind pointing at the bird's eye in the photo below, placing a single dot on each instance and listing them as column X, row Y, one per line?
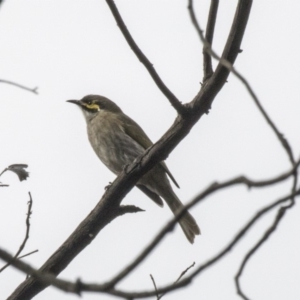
column 92, row 106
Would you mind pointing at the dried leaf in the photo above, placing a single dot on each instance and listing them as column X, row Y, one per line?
column 19, row 170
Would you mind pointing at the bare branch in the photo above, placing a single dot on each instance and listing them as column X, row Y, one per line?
column 34, row 90
column 144, row 60
column 266, row 235
column 27, row 254
column 105, row 211
column 180, row 276
column 281, row 138
column 184, row 272
column 79, row 286
column 212, row 188
column 68, row 286
column 203, row 100
column 224, row 62
column 108, row 208
column 170, row 225
column 45, row 278
column 210, row 27
column 227, row 64
column 207, row 40
column 212, row 86
column 154, row 284
column 240, row 234
column 284, row 142
column 29, row 212
column 216, row 258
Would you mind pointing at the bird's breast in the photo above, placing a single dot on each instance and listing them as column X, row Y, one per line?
column 112, row 145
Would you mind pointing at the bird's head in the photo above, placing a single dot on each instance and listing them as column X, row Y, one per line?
column 92, row 105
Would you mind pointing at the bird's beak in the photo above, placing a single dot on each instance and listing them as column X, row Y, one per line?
column 75, row 102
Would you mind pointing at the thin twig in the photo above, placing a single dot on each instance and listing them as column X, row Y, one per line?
column 33, row 90
column 170, row 225
column 284, row 142
column 184, row 272
column 230, row 67
column 144, row 60
column 209, row 34
column 79, row 286
column 266, row 235
column 29, row 212
column 67, row 286
column 154, row 284
column 77, row 241
column 27, row 254
column 180, row 276
column 43, row 277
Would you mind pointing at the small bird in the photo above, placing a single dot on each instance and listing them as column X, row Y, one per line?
column 117, row 141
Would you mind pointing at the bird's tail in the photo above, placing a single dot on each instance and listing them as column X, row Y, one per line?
column 186, row 222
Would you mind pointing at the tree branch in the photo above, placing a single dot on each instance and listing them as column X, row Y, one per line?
column 207, row 40
column 266, row 235
column 34, row 90
column 29, row 212
column 226, row 61
column 284, row 142
column 170, row 225
column 154, row 284
column 27, row 254
column 108, row 208
column 213, row 260
column 210, row 27
column 46, row 278
column 144, row 60
column 177, row 280
column 105, row 211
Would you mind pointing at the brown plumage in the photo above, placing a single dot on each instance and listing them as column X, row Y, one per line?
column 118, row 140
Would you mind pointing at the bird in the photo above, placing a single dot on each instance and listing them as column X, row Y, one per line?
column 118, row 140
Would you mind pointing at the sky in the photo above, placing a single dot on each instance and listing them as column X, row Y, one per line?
column 69, row 49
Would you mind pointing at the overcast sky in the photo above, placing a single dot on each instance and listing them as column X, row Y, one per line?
column 73, row 48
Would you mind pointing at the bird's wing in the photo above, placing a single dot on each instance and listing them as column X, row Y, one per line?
column 151, row 195
column 132, row 129
column 163, row 164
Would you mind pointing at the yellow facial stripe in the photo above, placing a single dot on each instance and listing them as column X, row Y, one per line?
column 92, row 106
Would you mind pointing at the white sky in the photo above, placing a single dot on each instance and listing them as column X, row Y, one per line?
column 73, row 48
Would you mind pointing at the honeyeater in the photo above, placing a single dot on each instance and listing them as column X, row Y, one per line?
column 118, row 140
